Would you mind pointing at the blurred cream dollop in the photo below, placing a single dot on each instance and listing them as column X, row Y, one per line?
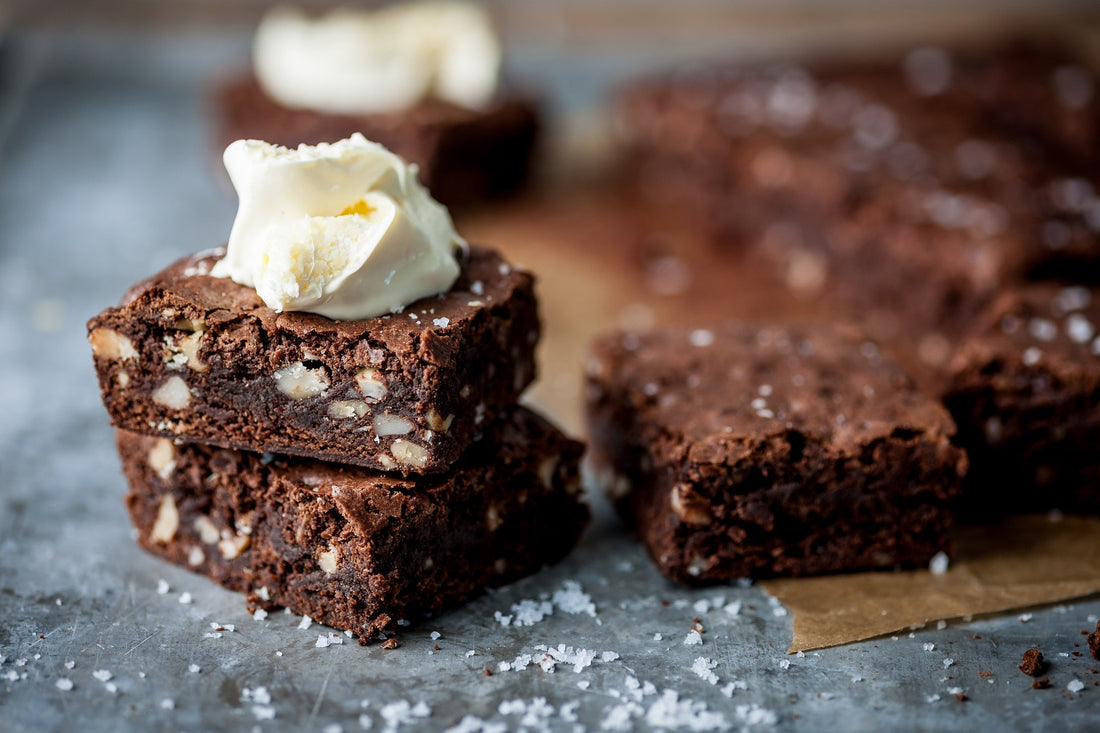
column 342, row 229
column 355, row 61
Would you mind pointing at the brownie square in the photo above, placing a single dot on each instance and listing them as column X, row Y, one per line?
column 201, row 358
column 353, row 548
column 907, row 191
column 464, row 155
column 1024, row 388
column 768, row 450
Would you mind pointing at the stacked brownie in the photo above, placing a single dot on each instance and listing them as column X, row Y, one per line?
column 907, row 192
column 361, row 472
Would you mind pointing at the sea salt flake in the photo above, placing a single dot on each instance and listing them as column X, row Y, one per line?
column 668, row 711
column 259, row 614
column 1025, row 617
column 163, row 587
column 470, row 653
column 753, row 714
column 939, row 563
column 954, row 690
column 111, row 687
column 103, row 675
column 657, row 636
column 185, row 598
column 331, row 639
column 928, row 646
column 305, row 623
column 784, row 664
column 441, row 322
column 194, row 668
column 434, row 635
column 68, row 665
column 571, row 598
column 703, row 666
column 932, row 698
column 948, row 662
column 1075, row 685
column 693, row 638
column 583, row 684
column 168, row 704
column 64, row 684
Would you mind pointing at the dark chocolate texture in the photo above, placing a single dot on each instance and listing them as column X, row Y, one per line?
column 200, row 358
column 765, row 450
column 465, row 156
column 1024, row 388
column 352, row 548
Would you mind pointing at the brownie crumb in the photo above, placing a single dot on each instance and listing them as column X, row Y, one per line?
column 487, row 672
column 1041, row 684
column 983, row 673
column 961, row 697
column 1033, row 664
column 1094, row 642
column 389, row 644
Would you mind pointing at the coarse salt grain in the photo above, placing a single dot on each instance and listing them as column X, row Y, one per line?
column 702, row 667
column 939, row 563
column 64, row 684
column 305, row 623
column 928, row 646
column 1075, row 685
column 103, row 675
column 194, row 668
column 693, row 638
column 163, row 587
column 948, row 662
column 331, row 639
column 185, row 598
column 441, row 322
column 259, row 614
column 434, row 635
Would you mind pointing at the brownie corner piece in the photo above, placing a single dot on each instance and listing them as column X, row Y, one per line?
column 191, row 356
column 356, row 549
column 769, row 450
column 1024, row 389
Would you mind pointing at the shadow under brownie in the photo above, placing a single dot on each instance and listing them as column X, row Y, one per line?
column 353, row 548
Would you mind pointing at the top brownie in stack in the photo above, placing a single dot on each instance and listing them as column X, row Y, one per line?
column 759, row 450
column 909, row 191
column 200, row 358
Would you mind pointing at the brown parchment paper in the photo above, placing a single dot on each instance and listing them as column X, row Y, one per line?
column 1015, row 563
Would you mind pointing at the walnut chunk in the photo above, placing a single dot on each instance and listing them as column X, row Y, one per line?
column 387, row 462
column 492, row 518
column 328, row 560
column 206, row 530
column 372, row 384
column 196, row 556
column 167, row 521
column 299, row 383
column 110, row 344
column 345, row 409
column 387, row 424
column 162, row 458
column 184, row 351
column 408, row 453
column 232, row 544
column 173, row 394
column 688, row 505
column 438, row 423
column 547, row 468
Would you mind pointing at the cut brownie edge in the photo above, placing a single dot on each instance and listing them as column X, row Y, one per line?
column 352, row 548
column 203, row 359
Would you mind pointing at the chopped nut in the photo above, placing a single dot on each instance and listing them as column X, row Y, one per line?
column 191, row 326
column 123, row 379
column 184, row 350
column 387, row 424
column 492, row 518
column 409, row 454
column 689, row 505
column 110, row 344
column 372, row 384
column 232, row 545
column 547, row 469
column 389, row 644
column 167, row 521
column 327, row 560
column 299, row 383
column 208, row 533
column 387, row 463
column 500, row 565
column 195, row 557
column 437, row 423
column 173, row 394
column 342, row 409
column 162, row 458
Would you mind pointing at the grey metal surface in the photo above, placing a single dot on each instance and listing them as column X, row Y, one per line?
column 106, row 174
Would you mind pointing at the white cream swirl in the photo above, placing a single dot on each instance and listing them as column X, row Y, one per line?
column 342, row 229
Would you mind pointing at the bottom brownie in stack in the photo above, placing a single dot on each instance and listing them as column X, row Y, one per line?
column 353, row 548
column 761, row 450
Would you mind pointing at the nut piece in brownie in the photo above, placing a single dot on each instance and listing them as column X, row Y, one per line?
column 352, row 548
column 201, row 358
column 766, row 450
column 908, row 191
column 1024, row 388
column 464, row 155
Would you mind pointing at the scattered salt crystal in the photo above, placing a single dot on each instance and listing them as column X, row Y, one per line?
column 333, row 728
column 212, row 635
column 857, row 678
column 939, row 563
column 263, row 712
column 583, row 684
column 928, row 646
column 734, row 608
column 168, row 704
column 1031, row 356
column 185, row 598
column 941, row 625
column 703, row 666
column 755, row 715
column 331, row 639
column 701, row 606
column 111, row 687
column 948, row 662
column 163, row 587
column 305, row 623
column 194, row 668
column 1075, row 685
column 954, row 690
column 263, row 593
column 470, row 653
column 657, row 636
column 800, row 654
column 784, row 664
column 779, row 611
column 222, row 627
column 68, row 665
column 571, row 598
column 668, row 711
column 365, row 721
column 441, row 322
column 259, row 614
column 932, row 698
column 693, row 638
column 1025, row 617
column 608, row 656
column 64, row 684
column 434, row 635
column 103, row 675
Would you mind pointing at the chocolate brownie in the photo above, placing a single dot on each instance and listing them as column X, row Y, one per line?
column 1024, row 388
column 908, row 190
column 464, row 155
column 201, row 358
column 766, row 450
column 353, row 548
column 1094, row 642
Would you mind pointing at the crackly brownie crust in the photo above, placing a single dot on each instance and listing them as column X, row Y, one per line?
column 1024, row 388
column 464, row 155
column 352, row 548
column 201, row 358
column 908, row 191
column 769, row 450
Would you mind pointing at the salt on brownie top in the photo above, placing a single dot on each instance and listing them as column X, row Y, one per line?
column 759, row 450
column 202, row 358
column 1024, row 388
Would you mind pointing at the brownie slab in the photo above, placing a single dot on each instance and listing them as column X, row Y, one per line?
column 201, row 358
column 1024, row 388
column 353, row 548
column 764, row 450
column 906, row 190
column 464, row 155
